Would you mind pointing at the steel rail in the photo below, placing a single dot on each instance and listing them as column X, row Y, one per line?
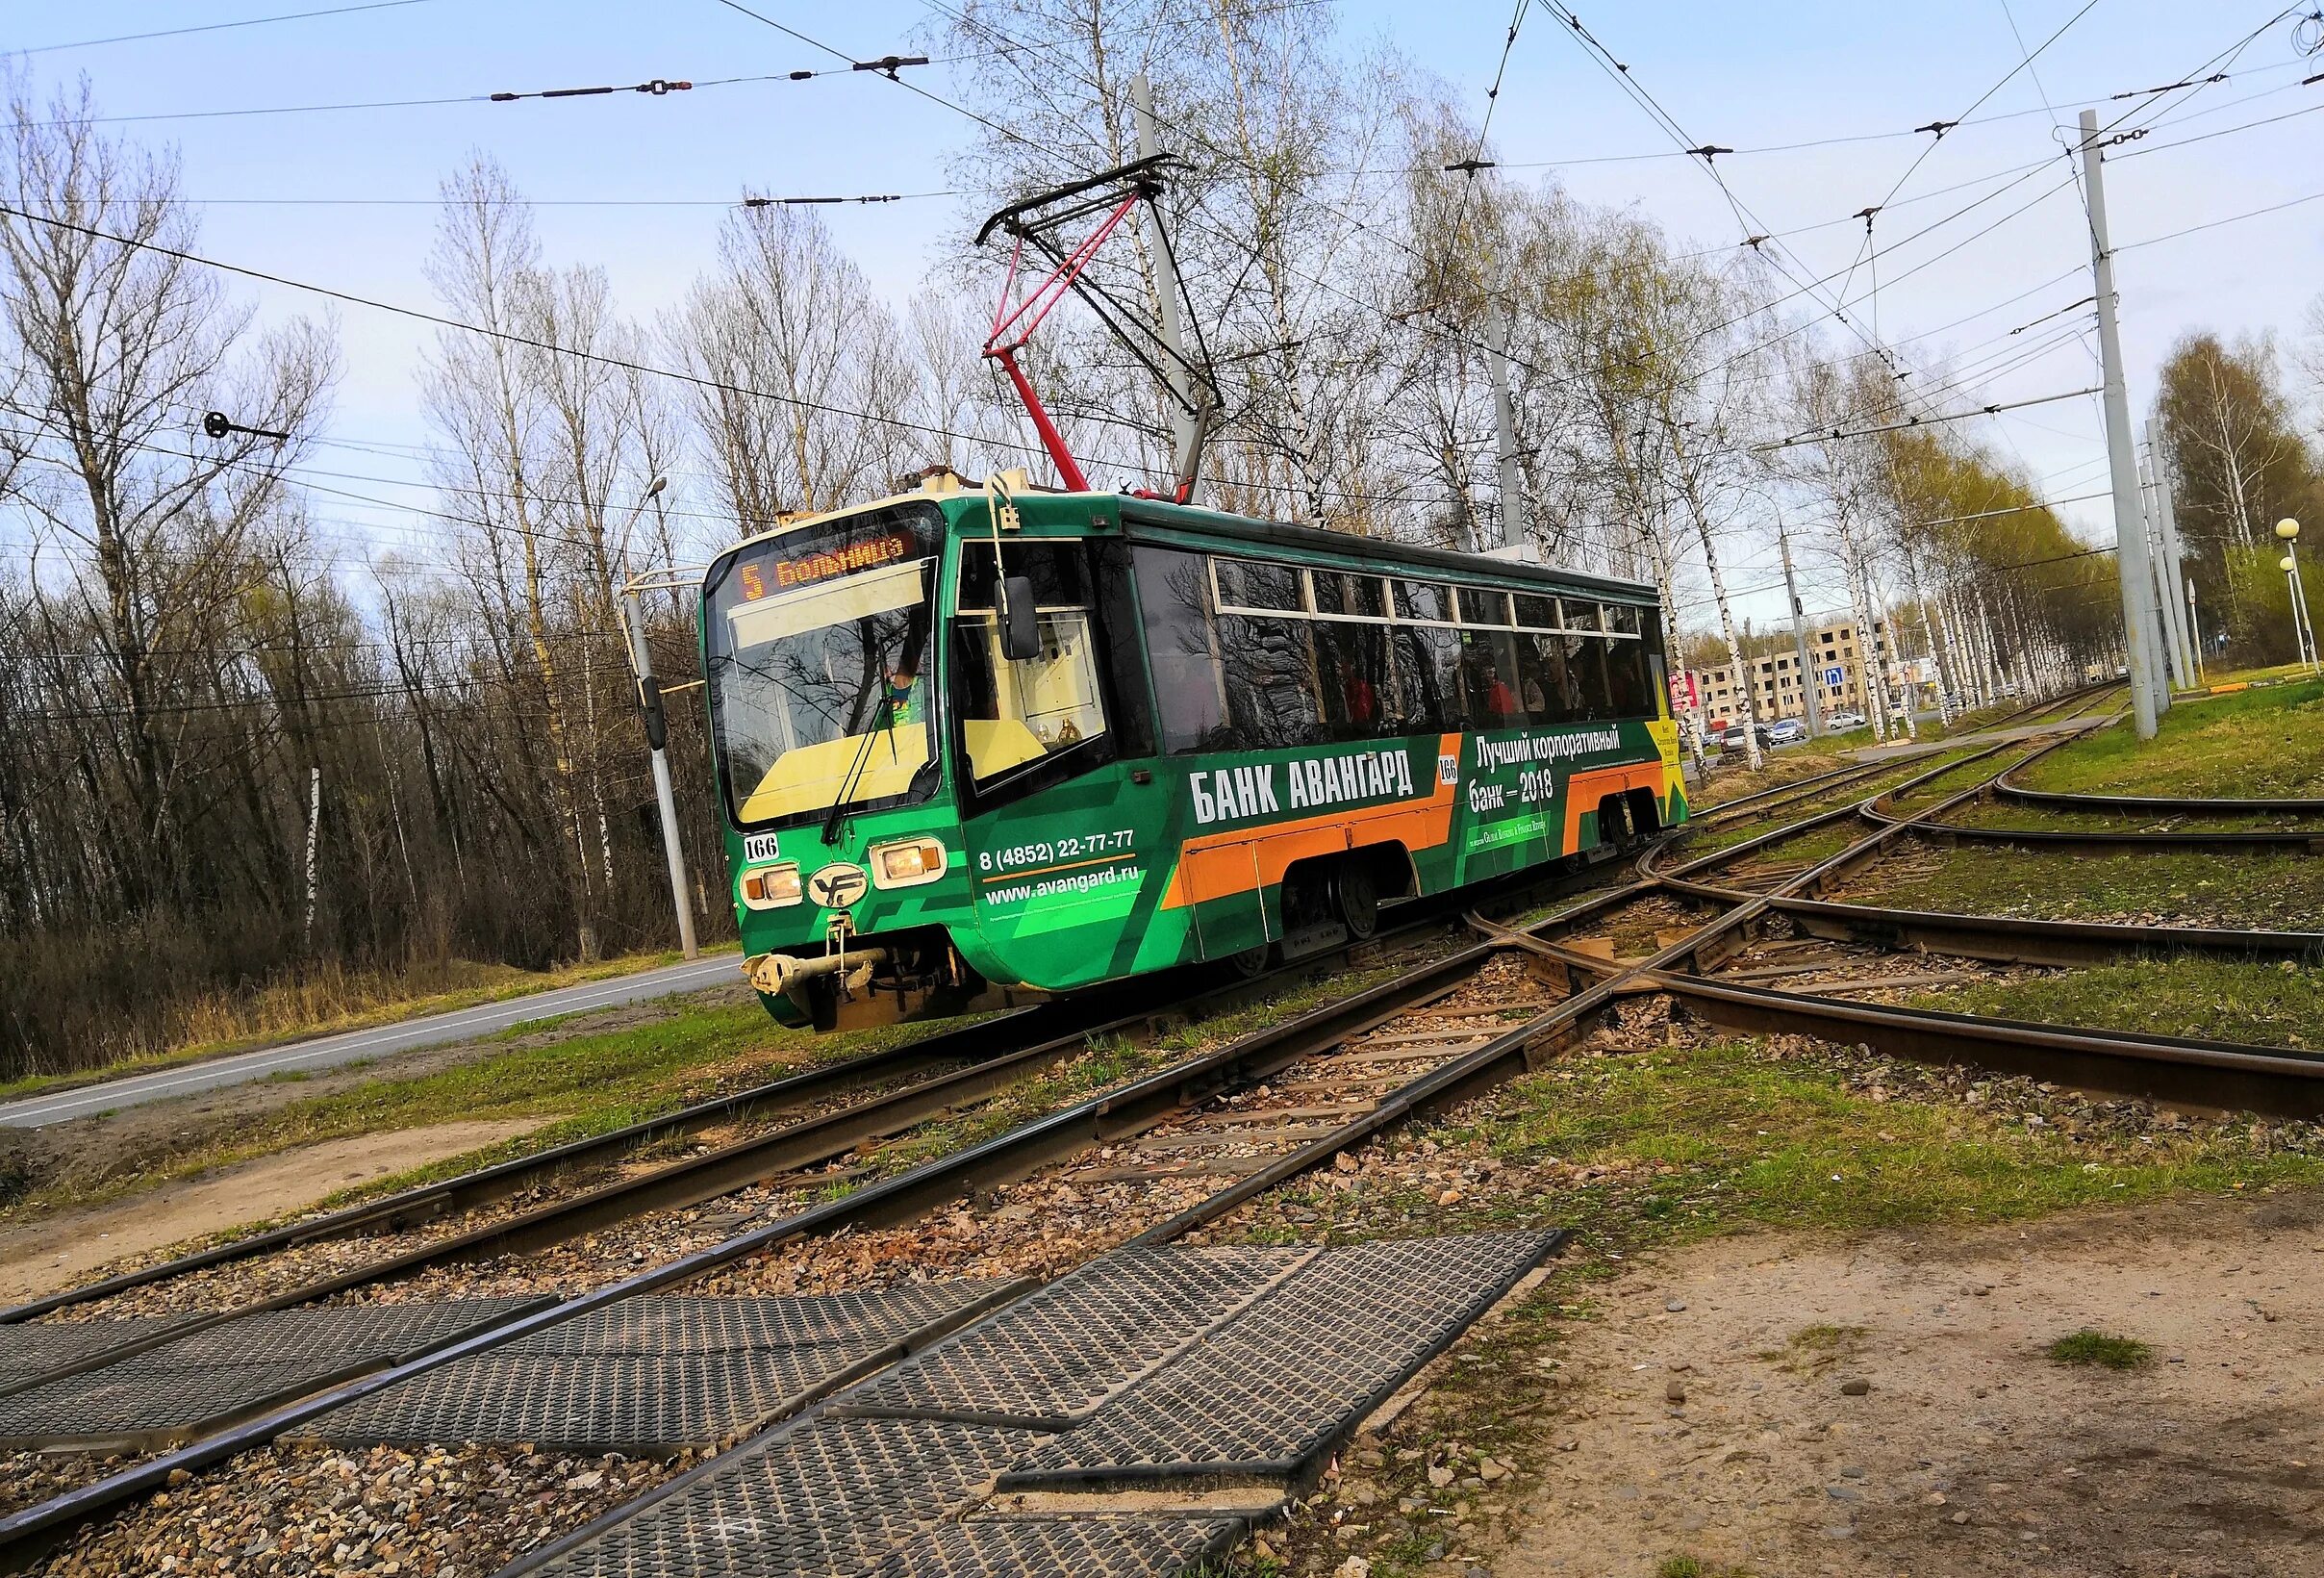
column 1763, row 801
column 2254, row 841
column 902, row 1198
column 2104, row 840
column 2006, row 787
column 693, row 1179
column 2282, row 1080
column 2018, row 939
column 906, row 1195
column 1095, row 1120
column 1649, row 864
column 1459, row 1078
column 2286, row 1082
column 964, row 1043
column 1779, row 795
column 986, row 1042
column 2158, row 805
column 2004, row 938
column 996, row 1039
column 1522, row 1048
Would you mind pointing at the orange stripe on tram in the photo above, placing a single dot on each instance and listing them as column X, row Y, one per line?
column 1584, row 790
column 1219, row 865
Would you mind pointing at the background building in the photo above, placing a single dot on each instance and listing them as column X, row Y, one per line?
column 1834, row 655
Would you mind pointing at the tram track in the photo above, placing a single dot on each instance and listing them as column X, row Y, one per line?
column 938, row 1074
column 1088, row 1124
column 1260, row 1112
column 2253, row 839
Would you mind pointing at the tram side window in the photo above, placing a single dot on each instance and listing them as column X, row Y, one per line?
column 1016, row 715
column 1630, row 683
column 1181, row 643
column 1248, row 583
column 1351, row 659
column 1493, row 679
column 1268, row 668
column 1547, row 684
column 1428, row 658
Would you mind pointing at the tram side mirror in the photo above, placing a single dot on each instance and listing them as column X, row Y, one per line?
column 1021, row 626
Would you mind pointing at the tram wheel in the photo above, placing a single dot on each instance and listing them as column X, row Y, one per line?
column 1355, row 895
column 1252, row 963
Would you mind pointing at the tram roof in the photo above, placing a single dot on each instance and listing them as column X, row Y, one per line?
column 1159, row 520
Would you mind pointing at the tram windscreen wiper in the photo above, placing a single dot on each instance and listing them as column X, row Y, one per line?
column 862, row 753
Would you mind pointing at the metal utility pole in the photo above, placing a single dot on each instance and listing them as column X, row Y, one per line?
column 1810, row 680
column 1505, row 433
column 2130, row 528
column 2166, row 628
column 2176, row 589
column 1192, row 421
column 657, row 737
column 2194, row 631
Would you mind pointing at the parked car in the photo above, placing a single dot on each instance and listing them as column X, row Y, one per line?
column 1786, row 731
column 1845, row 720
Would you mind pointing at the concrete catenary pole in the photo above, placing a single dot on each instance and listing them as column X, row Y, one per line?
column 1811, row 680
column 657, row 736
column 2179, row 589
column 2150, row 503
column 1191, row 422
column 2130, row 526
column 1505, row 434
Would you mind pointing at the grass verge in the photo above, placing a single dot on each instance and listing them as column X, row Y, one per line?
column 2283, row 892
column 2254, row 743
column 590, row 1084
column 2261, row 1004
column 284, row 1017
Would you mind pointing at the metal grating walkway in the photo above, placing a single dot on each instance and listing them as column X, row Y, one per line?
column 1064, row 1547
column 821, row 1497
column 677, row 1324
column 1154, row 1370
column 28, row 1352
column 227, row 1372
column 1054, row 1356
column 1268, row 1393
column 656, row 1374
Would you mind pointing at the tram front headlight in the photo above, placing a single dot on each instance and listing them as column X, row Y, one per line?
column 770, row 887
column 909, row 863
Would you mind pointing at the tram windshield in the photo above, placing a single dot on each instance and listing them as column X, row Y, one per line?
column 818, row 667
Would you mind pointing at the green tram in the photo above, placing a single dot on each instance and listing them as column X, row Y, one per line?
column 976, row 749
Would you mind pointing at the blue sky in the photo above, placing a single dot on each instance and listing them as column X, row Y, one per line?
column 1740, row 76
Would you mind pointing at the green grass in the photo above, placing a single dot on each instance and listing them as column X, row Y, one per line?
column 498, row 983
column 590, row 1084
column 2263, row 1004
column 1692, row 1567
column 2283, row 892
column 2093, row 1347
column 1721, row 835
column 2251, row 744
column 2009, row 813
column 1693, row 1141
column 1788, row 1144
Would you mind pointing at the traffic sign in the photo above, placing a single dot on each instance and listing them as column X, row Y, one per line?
column 1834, row 677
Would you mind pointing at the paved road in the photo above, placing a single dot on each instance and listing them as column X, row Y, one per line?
column 327, row 1051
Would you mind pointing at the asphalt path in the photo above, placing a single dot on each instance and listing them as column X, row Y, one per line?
column 330, row 1051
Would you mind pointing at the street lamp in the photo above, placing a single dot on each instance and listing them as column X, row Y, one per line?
column 2304, row 635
